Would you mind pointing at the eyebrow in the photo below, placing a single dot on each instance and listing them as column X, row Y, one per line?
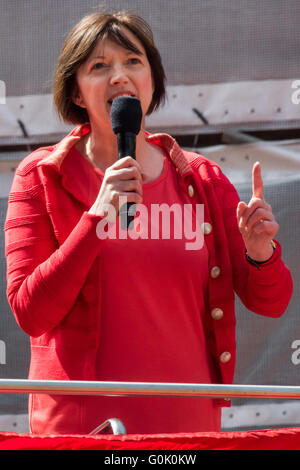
column 128, row 52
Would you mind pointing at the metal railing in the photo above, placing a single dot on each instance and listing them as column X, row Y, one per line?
column 65, row 387
column 114, row 425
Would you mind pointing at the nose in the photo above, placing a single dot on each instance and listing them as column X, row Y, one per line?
column 119, row 75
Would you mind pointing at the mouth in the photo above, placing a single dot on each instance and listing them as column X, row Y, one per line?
column 117, row 95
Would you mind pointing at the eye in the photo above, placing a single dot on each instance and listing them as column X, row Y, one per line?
column 134, row 60
column 98, row 66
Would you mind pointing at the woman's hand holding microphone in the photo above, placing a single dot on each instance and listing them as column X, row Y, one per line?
column 123, row 179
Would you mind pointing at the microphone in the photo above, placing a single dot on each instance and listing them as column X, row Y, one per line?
column 126, row 118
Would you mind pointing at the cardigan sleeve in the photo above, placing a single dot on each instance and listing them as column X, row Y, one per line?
column 43, row 279
column 266, row 289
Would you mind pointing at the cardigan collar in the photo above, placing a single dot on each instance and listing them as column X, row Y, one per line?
column 73, row 167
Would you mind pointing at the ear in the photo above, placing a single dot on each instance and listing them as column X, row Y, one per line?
column 77, row 98
column 79, row 101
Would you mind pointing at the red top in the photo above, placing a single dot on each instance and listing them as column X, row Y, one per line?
column 55, row 264
column 150, row 334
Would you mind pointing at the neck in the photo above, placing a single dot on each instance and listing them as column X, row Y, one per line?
column 102, row 148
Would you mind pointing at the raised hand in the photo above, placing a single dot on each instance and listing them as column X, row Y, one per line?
column 256, row 220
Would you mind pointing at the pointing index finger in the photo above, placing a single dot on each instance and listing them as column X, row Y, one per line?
column 257, row 182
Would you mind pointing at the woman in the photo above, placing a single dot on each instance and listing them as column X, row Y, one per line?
column 115, row 309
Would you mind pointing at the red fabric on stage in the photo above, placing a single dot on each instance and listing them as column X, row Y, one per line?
column 267, row 439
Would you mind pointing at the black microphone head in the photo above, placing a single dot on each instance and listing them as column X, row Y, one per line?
column 126, row 114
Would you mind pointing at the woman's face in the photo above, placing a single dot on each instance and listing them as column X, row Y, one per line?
column 111, row 71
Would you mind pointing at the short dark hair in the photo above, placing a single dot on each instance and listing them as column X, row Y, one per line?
column 80, row 43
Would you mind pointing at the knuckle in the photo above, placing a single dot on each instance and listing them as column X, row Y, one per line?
column 114, row 196
column 260, row 211
column 108, row 176
column 130, row 185
column 137, row 185
column 136, row 171
column 129, row 160
column 133, row 172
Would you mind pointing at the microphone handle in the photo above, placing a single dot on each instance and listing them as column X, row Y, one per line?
column 126, row 148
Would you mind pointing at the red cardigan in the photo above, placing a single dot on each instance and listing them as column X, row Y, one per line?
column 53, row 252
